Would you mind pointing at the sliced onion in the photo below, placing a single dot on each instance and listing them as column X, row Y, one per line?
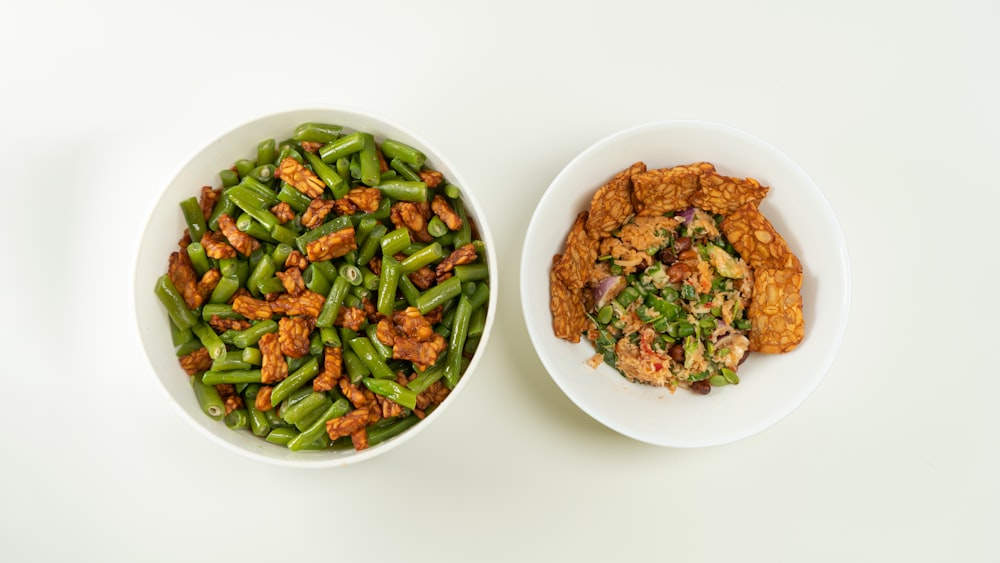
column 607, row 289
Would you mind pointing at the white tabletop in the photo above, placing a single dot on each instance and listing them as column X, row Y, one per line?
column 891, row 107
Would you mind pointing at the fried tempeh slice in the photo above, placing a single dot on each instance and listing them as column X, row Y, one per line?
column 574, row 265
column 775, row 311
column 273, row 367
column 333, row 245
column 291, row 280
column 724, row 195
column 332, row 369
column 293, row 335
column 441, row 208
column 611, row 206
column 217, row 246
column 241, row 241
column 317, row 211
column 366, row 199
column 667, row 189
column 182, row 275
column 296, row 174
column 758, row 243
column 465, row 254
column 569, row 318
column 307, row 304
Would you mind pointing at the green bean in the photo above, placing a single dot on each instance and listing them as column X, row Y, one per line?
column 381, row 434
column 394, row 242
column 436, row 227
column 243, row 167
column 328, row 313
column 208, row 398
column 250, row 336
column 248, row 202
column 366, row 352
column 452, row 191
column 315, row 344
column 293, row 197
column 265, row 269
column 369, row 280
column 404, row 170
column 229, row 178
column 174, row 303
column 463, row 235
column 472, row 272
column 230, row 361
column 344, row 146
column 295, row 413
column 251, row 356
column 250, row 226
column 317, row 132
column 224, row 290
column 388, row 283
column 259, row 424
column 280, row 254
column 415, row 247
column 282, row 436
column 477, row 322
column 385, row 352
column 220, row 310
column 237, row 419
column 213, row 377
column 409, row 291
column 315, row 430
column 403, row 190
column 384, row 209
column 424, row 380
column 368, row 159
column 196, row 252
column 351, row 300
column 426, row 255
column 396, row 149
column 386, row 176
column 263, row 173
column 297, row 379
column 188, row 347
column 193, row 217
column 270, row 285
column 372, row 244
column 329, row 176
column 216, row 348
column 330, row 337
column 282, row 234
column 180, row 336
column 480, row 297
column 224, row 206
column 392, row 390
column 363, row 229
column 315, row 280
column 262, row 192
column 351, row 273
column 344, row 168
column 288, row 149
column 355, row 368
column 459, row 331
column 438, row 294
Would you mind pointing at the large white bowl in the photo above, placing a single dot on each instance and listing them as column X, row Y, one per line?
column 165, row 225
column 771, row 386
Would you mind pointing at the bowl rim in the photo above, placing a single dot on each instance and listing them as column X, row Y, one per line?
column 526, row 281
column 306, row 460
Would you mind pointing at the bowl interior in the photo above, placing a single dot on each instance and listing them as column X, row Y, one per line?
column 771, row 385
column 164, row 227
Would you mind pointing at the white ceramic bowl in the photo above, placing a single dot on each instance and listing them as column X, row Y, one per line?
column 771, row 386
column 165, row 225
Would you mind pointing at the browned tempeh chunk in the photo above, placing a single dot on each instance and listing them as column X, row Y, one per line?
column 724, row 195
column 776, row 311
column 667, row 189
column 333, row 245
column 758, row 243
column 611, row 206
column 300, row 177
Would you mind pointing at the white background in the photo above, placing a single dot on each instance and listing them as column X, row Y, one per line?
column 891, row 107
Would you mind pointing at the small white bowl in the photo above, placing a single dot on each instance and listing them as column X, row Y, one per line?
column 165, row 225
column 771, row 386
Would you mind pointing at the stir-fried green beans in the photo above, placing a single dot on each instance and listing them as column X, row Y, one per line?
column 312, row 300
